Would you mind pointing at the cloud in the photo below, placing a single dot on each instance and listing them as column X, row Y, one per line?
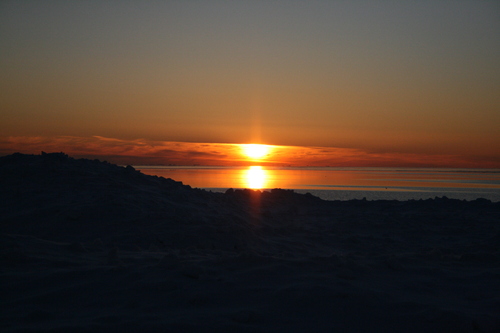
column 149, row 152
column 121, row 151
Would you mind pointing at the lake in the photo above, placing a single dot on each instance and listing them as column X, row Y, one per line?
column 331, row 183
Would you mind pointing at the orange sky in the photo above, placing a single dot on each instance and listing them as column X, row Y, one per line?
column 372, row 82
column 147, row 152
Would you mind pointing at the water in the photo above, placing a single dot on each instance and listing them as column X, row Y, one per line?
column 343, row 183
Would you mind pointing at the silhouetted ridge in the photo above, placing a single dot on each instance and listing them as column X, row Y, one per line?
column 109, row 242
column 52, row 193
column 59, row 166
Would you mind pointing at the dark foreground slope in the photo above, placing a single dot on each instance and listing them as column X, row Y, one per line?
column 90, row 246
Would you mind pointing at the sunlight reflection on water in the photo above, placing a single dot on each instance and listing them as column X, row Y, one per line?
column 350, row 182
column 256, row 177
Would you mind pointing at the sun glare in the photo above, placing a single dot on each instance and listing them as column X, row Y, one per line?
column 255, row 151
column 255, row 177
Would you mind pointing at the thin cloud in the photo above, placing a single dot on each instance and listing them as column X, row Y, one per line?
column 143, row 152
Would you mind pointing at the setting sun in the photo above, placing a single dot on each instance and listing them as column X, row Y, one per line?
column 255, row 151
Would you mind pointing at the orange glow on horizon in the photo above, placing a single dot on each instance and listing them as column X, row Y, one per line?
column 148, row 152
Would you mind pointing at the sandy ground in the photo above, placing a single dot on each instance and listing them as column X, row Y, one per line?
column 87, row 246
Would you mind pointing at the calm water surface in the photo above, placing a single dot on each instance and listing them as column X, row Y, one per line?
column 343, row 183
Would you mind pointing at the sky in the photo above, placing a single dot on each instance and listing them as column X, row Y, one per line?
column 359, row 83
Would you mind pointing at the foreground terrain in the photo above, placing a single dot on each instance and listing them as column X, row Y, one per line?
column 87, row 246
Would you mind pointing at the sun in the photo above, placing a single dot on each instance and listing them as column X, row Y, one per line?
column 255, row 151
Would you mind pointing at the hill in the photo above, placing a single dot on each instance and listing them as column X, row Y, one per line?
column 91, row 246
